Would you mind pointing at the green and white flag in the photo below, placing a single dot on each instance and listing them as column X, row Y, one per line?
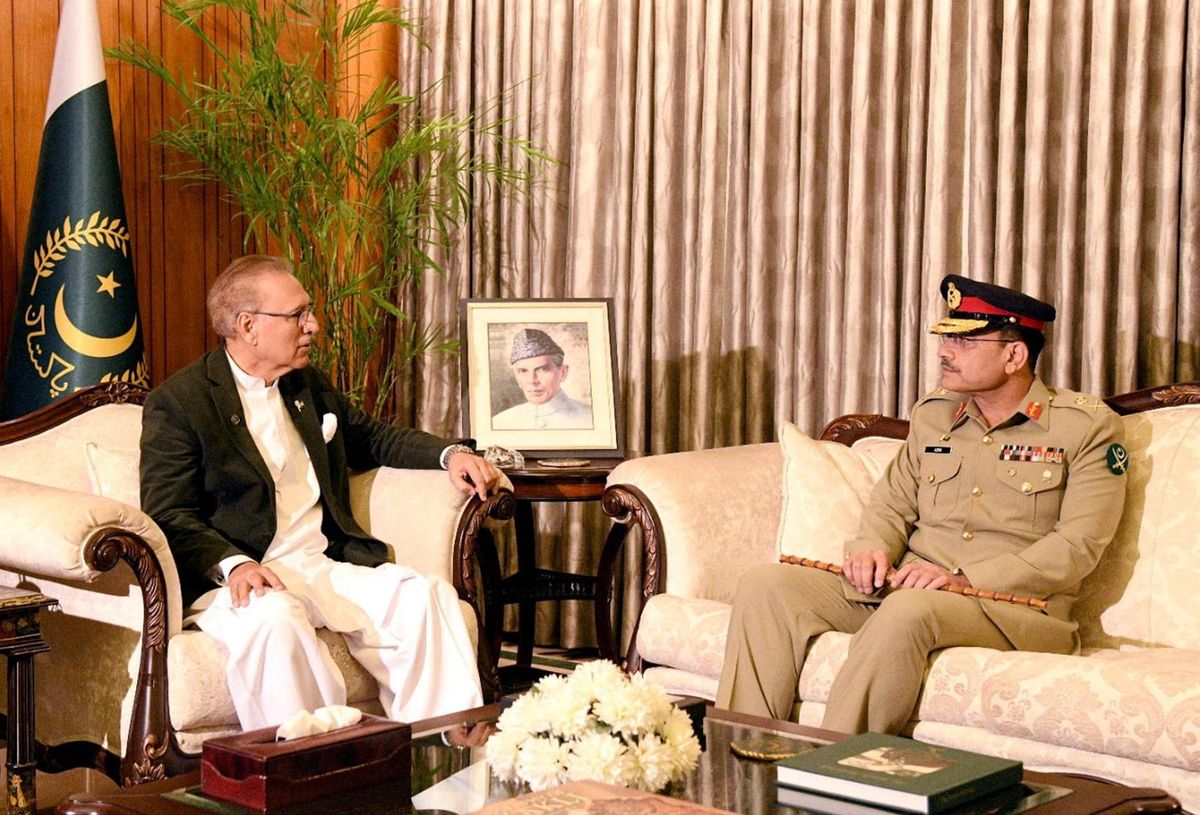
column 76, row 322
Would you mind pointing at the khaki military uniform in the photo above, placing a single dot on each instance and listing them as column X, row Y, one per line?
column 1026, row 507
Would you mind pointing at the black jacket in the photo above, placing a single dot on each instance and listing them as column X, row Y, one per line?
column 206, row 485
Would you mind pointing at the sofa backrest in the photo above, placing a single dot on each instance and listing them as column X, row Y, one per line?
column 1145, row 591
column 92, row 443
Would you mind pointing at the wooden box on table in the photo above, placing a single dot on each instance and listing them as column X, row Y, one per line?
column 255, row 771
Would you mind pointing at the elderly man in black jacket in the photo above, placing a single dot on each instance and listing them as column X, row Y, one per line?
column 244, row 466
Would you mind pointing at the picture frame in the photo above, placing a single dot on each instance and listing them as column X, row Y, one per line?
column 540, row 376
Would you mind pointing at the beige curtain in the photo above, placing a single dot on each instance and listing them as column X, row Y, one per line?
column 771, row 190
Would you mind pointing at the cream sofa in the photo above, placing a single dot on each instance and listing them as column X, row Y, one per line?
column 124, row 687
column 1127, row 708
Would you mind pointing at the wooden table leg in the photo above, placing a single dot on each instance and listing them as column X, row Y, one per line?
column 21, row 763
column 526, row 564
column 19, row 641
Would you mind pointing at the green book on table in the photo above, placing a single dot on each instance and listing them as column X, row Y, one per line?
column 898, row 773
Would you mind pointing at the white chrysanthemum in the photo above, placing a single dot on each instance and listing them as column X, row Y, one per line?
column 502, row 749
column 597, row 756
column 678, row 727
column 634, row 707
column 550, row 685
column 523, row 716
column 541, row 763
column 591, row 676
column 684, row 751
column 596, row 724
column 656, row 762
column 654, row 698
column 568, row 712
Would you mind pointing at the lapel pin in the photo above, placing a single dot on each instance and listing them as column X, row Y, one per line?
column 235, row 419
column 299, row 403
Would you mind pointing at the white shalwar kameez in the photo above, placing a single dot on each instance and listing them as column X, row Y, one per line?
column 405, row 628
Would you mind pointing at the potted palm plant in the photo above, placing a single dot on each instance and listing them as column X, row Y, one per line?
column 362, row 191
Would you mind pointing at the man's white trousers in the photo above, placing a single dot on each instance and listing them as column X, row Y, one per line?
column 405, row 628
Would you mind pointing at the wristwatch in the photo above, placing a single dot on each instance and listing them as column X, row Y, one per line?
column 452, row 450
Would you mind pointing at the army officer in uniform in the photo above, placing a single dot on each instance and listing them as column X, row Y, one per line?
column 1003, row 484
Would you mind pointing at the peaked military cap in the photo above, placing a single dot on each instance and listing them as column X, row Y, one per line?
column 977, row 306
column 533, row 342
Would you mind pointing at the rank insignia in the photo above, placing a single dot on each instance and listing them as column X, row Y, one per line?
column 1117, row 459
column 1033, row 410
column 1025, row 452
column 958, row 414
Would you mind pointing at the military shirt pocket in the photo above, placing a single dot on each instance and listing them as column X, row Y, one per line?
column 1034, row 495
column 938, row 492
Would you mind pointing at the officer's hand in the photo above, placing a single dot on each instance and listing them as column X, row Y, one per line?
column 251, row 576
column 866, row 571
column 475, row 735
column 919, row 574
column 471, row 473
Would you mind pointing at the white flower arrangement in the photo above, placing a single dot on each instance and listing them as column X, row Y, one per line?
column 595, row 724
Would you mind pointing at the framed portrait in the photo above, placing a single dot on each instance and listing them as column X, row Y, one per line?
column 540, row 376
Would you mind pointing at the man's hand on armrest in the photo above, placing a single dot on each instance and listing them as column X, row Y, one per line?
column 251, row 576
column 866, row 571
column 471, row 473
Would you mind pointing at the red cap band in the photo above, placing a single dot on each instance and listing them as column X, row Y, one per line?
column 976, row 305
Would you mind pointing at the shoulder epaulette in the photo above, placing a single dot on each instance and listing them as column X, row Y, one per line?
column 1079, row 401
column 940, row 395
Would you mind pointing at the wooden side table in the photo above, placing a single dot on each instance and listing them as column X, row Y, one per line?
column 20, row 639
column 529, row 585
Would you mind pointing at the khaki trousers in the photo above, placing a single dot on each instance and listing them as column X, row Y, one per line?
column 780, row 609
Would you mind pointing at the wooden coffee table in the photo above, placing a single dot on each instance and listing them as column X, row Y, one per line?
column 449, row 778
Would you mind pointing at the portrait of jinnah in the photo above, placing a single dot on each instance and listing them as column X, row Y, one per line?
column 539, row 367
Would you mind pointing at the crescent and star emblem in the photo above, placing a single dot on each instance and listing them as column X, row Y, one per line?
column 88, row 344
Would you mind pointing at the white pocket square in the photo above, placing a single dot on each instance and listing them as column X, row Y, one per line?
column 328, row 427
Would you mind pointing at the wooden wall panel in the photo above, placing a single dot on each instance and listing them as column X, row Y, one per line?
column 182, row 236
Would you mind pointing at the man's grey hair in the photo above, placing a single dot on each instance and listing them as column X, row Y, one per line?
column 236, row 290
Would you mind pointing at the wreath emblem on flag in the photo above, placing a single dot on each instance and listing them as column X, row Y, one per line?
column 71, row 237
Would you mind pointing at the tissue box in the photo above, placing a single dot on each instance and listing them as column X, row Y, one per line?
column 255, row 771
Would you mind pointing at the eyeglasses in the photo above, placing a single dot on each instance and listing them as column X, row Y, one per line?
column 300, row 315
column 962, row 343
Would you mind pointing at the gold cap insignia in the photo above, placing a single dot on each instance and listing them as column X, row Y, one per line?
column 953, row 296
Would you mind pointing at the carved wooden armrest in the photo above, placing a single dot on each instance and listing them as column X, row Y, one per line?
column 629, row 507
column 474, row 549
column 153, row 751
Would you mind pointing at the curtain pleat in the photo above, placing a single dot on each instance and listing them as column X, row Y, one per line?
column 770, row 191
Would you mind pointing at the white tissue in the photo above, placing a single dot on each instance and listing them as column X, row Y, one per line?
column 321, row 720
column 328, row 426
column 335, row 717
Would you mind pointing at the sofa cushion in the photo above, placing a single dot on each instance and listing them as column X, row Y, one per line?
column 683, row 683
column 199, row 693
column 1143, row 592
column 826, row 486
column 684, row 632
column 1142, row 705
column 1052, row 758
column 825, row 658
column 114, row 473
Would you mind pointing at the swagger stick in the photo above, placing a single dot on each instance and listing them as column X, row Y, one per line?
column 999, row 597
